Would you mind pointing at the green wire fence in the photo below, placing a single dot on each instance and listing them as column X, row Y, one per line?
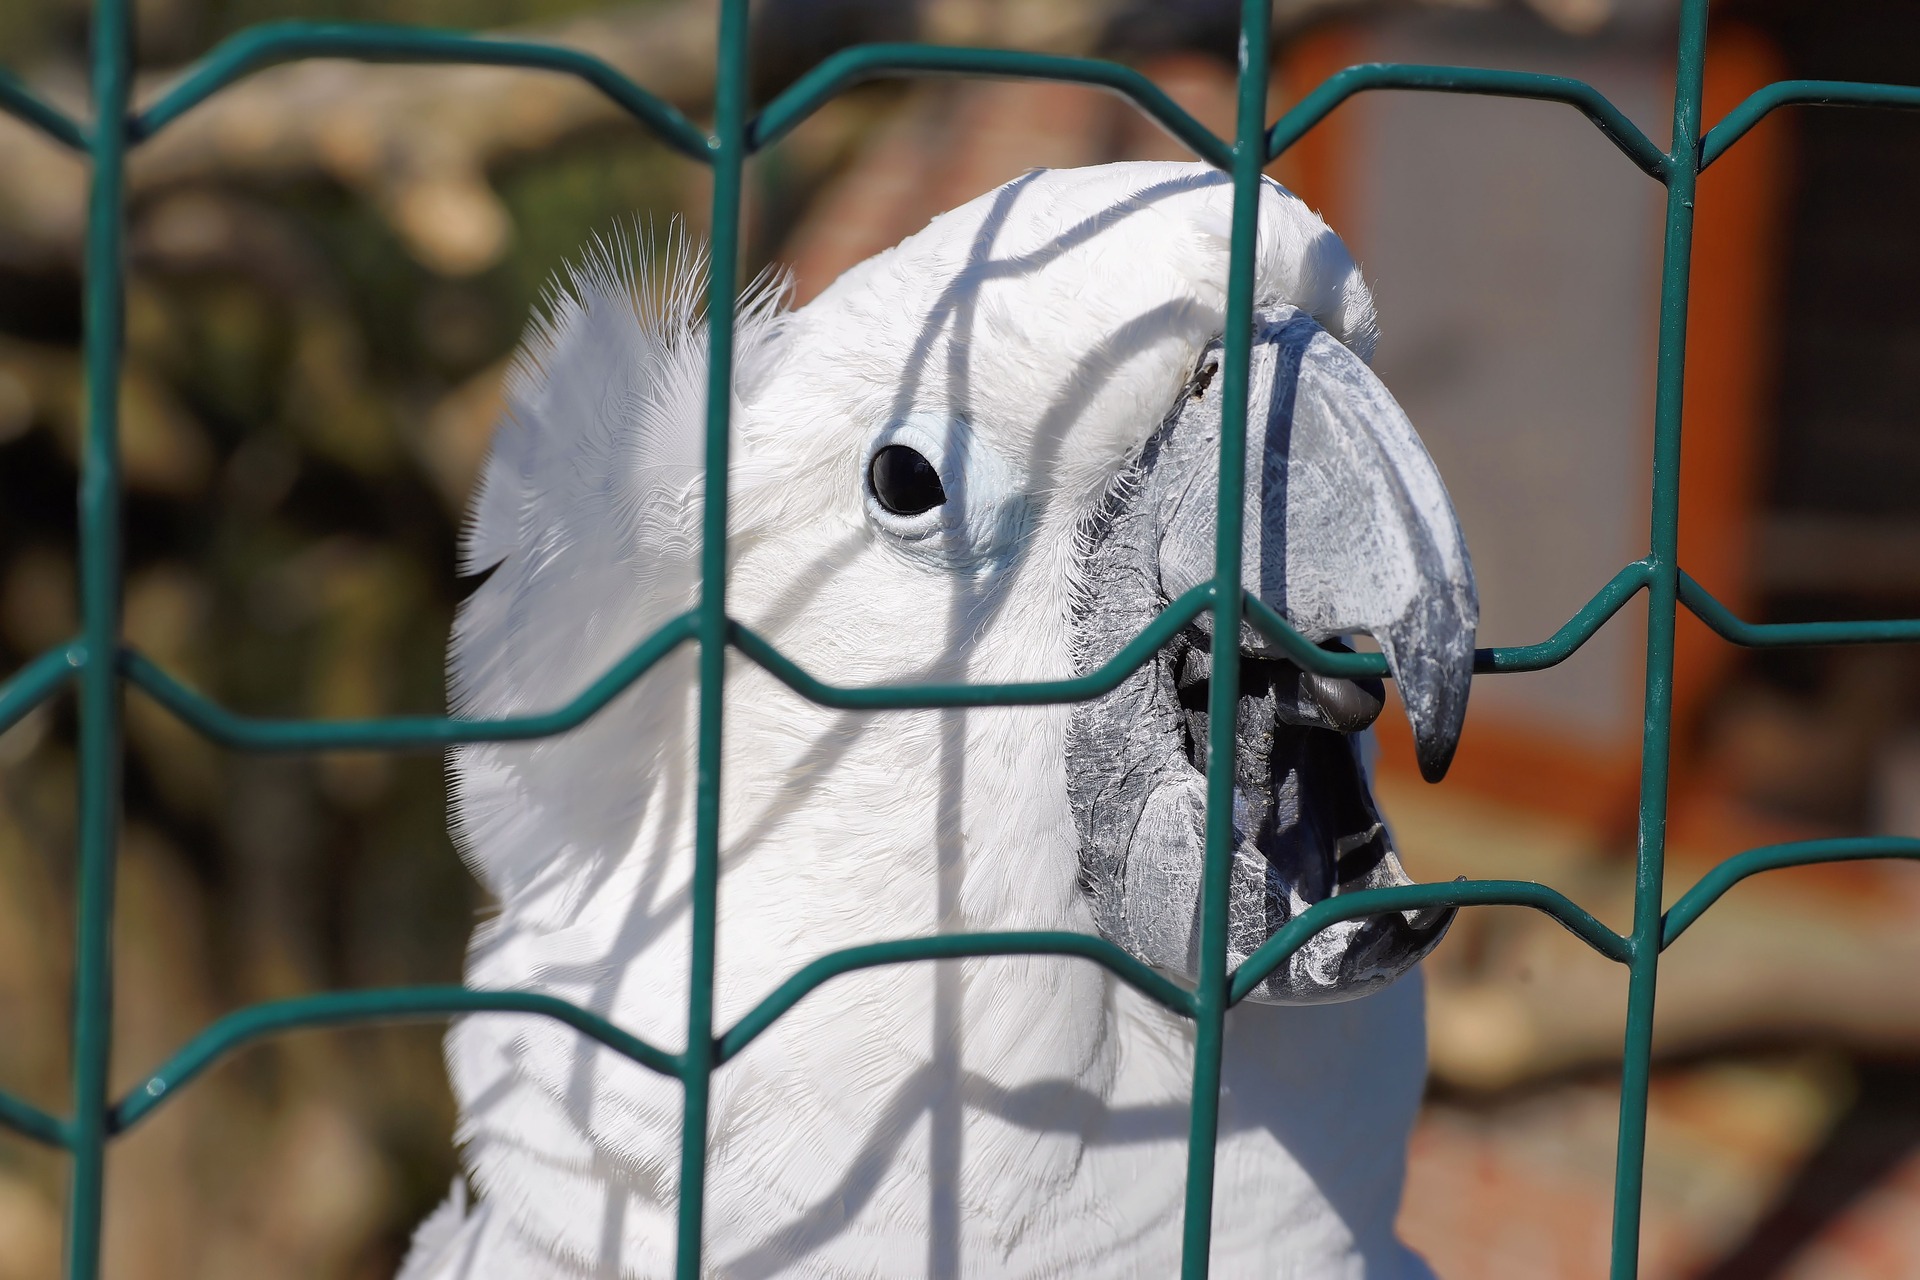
column 98, row 665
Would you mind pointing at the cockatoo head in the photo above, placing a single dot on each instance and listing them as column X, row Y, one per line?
column 991, row 454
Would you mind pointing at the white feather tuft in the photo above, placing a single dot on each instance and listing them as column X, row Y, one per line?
column 587, row 511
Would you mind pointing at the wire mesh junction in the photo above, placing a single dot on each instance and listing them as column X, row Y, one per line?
column 99, row 666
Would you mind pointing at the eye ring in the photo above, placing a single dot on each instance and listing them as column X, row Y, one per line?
column 904, row 482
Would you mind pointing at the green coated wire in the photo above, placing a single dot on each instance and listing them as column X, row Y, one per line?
column 862, row 63
column 1103, row 679
column 1210, row 998
column 398, row 733
column 95, row 1119
column 1589, row 101
column 1579, row 629
column 1773, row 857
column 270, row 43
column 702, row 1054
column 1775, row 635
column 38, row 681
column 1811, row 93
column 30, row 1121
column 346, row 1008
column 1295, row 934
column 955, row 946
column 1663, row 603
column 30, row 108
column 100, row 698
column 1500, row 659
column 401, row 733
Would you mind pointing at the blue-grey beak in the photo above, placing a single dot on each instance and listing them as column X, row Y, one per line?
column 1348, row 531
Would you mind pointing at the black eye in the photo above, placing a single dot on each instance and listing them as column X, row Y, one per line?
column 904, row 481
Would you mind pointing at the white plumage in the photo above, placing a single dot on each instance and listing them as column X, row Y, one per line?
column 1020, row 1116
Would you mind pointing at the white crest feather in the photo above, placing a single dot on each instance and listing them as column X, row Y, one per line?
column 587, row 511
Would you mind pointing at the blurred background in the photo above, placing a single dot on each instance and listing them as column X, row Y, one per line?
column 331, row 262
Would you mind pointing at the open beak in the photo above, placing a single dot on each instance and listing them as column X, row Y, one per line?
column 1348, row 530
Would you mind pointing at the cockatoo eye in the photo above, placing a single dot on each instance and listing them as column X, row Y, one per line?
column 942, row 492
column 904, row 482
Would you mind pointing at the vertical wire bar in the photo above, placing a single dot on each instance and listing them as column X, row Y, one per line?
column 99, row 694
column 729, row 155
column 1210, row 1002
column 1662, row 606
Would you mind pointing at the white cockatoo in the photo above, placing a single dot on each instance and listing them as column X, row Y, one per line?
column 988, row 454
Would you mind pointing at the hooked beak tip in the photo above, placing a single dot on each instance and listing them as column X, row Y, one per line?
column 1436, row 740
column 1434, row 760
column 1433, row 667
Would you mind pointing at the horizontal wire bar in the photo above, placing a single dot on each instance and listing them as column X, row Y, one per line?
column 1268, row 621
column 265, row 45
column 1579, row 629
column 1813, row 93
column 1708, row 890
column 1498, row 660
column 39, row 680
column 1274, row 952
column 874, row 61
column 426, row 732
column 30, row 1121
column 957, row 946
column 338, row 1008
column 397, row 733
column 1304, row 652
column 1580, row 95
column 1103, row 679
column 28, row 107
column 1768, row 635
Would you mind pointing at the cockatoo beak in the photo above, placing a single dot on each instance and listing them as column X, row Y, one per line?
column 1348, row 526
column 1348, row 530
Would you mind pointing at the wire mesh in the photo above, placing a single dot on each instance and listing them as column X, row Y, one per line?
column 98, row 666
